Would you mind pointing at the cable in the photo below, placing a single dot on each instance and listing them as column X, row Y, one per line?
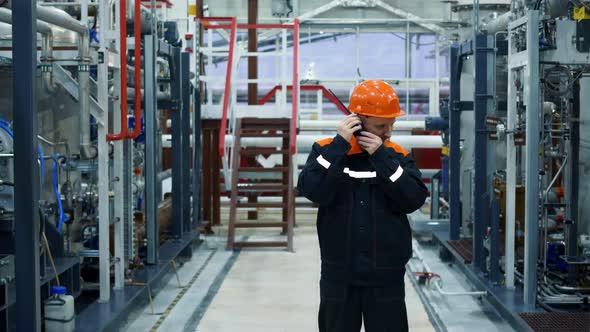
column 41, row 164
column 51, row 258
column 62, row 217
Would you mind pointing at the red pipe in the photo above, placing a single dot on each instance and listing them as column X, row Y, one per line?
column 123, row 60
column 137, row 31
column 223, row 129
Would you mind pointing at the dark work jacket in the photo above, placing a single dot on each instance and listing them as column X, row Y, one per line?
column 362, row 226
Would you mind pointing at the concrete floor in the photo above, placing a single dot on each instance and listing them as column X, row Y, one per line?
column 257, row 290
column 277, row 291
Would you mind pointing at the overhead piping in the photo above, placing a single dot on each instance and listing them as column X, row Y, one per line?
column 62, row 19
column 46, row 47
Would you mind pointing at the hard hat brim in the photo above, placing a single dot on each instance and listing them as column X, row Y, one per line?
column 401, row 113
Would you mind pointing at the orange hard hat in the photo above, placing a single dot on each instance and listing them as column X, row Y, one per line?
column 375, row 98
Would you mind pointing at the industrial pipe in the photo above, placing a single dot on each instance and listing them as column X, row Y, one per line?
column 62, row 19
column 160, row 95
column 123, row 133
column 46, row 47
column 333, row 125
column 137, row 62
column 305, row 142
column 500, row 23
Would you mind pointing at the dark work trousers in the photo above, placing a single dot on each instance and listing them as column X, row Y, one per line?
column 342, row 307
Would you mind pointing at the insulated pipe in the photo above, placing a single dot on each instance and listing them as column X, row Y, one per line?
column 62, row 19
column 333, row 125
column 500, row 23
column 46, row 47
column 160, row 95
column 306, row 141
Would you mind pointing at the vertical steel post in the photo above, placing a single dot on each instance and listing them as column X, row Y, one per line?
column 119, row 181
column 481, row 98
column 26, row 172
column 151, row 136
column 580, row 97
column 197, row 157
column 532, row 161
column 177, row 186
column 186, row 139
column 510, row 213
column 197, row 131
column 104, row 206
column 455, row 153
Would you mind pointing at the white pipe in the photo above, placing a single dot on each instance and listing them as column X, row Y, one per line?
column 509, row 245
column 333, row 125
column 46, row 46
column 438, row 281
column 408, row 142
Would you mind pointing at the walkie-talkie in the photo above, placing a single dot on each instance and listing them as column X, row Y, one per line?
column 358, row 132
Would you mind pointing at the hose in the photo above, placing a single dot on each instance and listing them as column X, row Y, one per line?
column 5, row 125
column 62, row 217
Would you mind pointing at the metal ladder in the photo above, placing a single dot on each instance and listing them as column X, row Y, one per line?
column 281, row 187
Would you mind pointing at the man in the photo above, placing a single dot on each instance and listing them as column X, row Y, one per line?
column 365, row 186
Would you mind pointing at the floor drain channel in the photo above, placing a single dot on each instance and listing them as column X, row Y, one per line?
column 182, row 293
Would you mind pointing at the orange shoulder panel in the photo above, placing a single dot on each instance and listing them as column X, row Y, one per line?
column 396, row 148
column 325, row 141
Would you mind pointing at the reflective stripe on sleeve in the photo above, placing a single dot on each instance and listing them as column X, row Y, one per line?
column 323, row 162
column 397, row 174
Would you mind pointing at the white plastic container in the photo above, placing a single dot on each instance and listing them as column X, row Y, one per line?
column 60, row 313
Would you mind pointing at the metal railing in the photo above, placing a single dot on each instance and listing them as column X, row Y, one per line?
column 229, row 112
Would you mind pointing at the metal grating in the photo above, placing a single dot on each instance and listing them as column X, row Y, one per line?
column 464, row 248
column 558, row 321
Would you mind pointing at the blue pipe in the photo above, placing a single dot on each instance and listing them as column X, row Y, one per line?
column 5, row 125
column 62, row 217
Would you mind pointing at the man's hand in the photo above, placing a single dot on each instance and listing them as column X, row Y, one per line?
column 369, row 142
column 348, row 126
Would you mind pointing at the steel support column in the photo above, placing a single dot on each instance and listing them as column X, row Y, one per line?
column 196, row 157
column 177, row 150
column 454, row 142
column 151, row 136
column 580, row 97
column 104, row 205
column 26, row 172
column 482, row 98
column 532, row 161
column 186, row 139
